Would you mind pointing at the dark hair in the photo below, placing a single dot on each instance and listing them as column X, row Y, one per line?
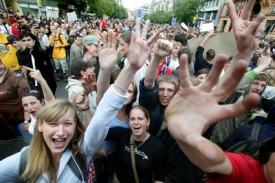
column 181, row 38
column 143, row 109
column 210, row 54
column 34, row 93
column 31, row 35
column 266, row 150
column 186, row 51
column 79, row 65
column 202, row 71
column 135, row 92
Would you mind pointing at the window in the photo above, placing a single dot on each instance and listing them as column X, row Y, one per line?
column 273, row 10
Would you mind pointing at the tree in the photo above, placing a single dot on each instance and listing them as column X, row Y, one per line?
column 160, row 17
column 185, row 10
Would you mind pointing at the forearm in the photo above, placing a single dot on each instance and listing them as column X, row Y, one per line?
column 125, row 78
column 87, row 117
column 202, row 43
column 103, row 83
column 47, row 92
column 151, row 72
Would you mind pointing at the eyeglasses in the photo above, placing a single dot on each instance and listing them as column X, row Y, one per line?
column 31, row 92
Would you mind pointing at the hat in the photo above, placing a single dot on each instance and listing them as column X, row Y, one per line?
column 79, row 65
column 13, row 20
column 12, row 38
column 34, row 26
column 89, row 40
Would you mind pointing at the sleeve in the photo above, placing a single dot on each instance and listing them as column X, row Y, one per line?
column 98, row 128
column 63, row 39
column 9, row 171
column 23, row 86
column 148, row 97
column 199, row 58
column 114, row 133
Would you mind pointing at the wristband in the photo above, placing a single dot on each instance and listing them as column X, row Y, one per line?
column 26, row 122
column 86, row 109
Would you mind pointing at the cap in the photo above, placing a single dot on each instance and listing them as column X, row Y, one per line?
column 34, row 26
column 89, row 40
column 12, row 38
column 13, row 20
column 79, row 65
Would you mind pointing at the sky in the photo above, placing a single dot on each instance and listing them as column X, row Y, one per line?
column 133, row 4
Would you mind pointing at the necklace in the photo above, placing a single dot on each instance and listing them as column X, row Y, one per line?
column 140, row 144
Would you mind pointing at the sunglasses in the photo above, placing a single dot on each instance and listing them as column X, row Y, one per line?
column 31, row 92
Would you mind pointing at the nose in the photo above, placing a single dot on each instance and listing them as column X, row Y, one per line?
column 165, row 92
column 60, row 130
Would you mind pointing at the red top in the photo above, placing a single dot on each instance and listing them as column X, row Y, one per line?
column 244, row 169
column 15, row 31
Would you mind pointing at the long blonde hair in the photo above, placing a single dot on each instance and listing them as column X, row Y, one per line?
column 40, row 159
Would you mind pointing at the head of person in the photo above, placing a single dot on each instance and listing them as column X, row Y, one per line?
column 210, row 54
column 78, row 39
column 139, row 121
column 202, row 75
column 124, row 42
column 168, row 86
column 132, row 97
column 53, row 29
column 84, row 70
column 57, row 128
column 90, row 45
column 181, row 38
column 176, row 47
column 258, row 84
column 33, row 101
column 186, row 51
column 83, row 31
column 29, row 39
column 15, row 41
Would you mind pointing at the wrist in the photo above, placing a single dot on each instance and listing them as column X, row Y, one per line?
column 85, row 109
column 26, row 122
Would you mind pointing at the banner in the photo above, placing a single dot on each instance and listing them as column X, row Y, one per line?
column 222, row 43
column 205, row 27
column 72, row 16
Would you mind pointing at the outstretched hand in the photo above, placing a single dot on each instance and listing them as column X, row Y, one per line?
column 35, row 74
column 194, row 109
column 108, row 55
column 246, row 32
column 140, row 47
column 82, row 100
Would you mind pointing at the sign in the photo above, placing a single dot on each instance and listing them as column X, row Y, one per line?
column 72, row 16
column 174, row 21
column 207, row 27
column 39, row 3
column 139, row 13
column 222, row 43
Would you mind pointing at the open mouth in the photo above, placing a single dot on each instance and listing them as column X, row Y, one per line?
column 59, row 142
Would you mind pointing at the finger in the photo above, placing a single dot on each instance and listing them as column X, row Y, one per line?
column 254, row 25
column 109, row 39
column 184, row 72
column 232, row 13
column 230, row 81
column 246, row 12
column 214, row 75
column 145, row 29
column 28, row 68
column 154, row 37
column 105, row 41
column 241, row 107
column 261, row 28
column 137, row 27
column 113, row 40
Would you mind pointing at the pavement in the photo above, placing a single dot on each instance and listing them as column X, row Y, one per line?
column 60, row 90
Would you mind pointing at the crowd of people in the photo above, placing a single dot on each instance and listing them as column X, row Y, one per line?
column 139, row 108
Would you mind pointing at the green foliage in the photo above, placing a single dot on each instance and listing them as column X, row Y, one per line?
column 160, row 17
column 185, row 10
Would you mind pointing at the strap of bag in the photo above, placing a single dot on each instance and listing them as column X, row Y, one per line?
column 255, row 131
column 133, row 158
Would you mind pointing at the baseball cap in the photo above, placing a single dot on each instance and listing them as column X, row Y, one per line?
column 89, row 40
column 12, row 38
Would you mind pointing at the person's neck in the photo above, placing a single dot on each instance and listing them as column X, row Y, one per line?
column 142, row 137
column 87, row 56
column 174, row 57
column 23, row 48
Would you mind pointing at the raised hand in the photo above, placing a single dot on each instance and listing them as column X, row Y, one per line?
column 35, row 74
column 162, row 48
column 194, row 109
column 82, row 100
column 140, row 48
column 245, row 31
column 108, row 55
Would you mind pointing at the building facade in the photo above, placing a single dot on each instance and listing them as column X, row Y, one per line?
column 45, row 8
column 266, row 7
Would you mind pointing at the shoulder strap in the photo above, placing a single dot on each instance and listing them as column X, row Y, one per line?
column 255, row 131
column 76, row 169
column 133, row 158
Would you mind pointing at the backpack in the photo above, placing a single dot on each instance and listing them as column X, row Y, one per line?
column 72, row 164
column 250, row 146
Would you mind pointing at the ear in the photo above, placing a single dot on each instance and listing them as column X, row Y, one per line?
column 39, row 125
column 43, row 102
column 148, row 122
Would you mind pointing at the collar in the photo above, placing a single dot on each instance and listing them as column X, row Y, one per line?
column 3, row 76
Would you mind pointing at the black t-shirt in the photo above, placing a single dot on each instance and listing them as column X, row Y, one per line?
column 150, row 157
column 200, row 62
